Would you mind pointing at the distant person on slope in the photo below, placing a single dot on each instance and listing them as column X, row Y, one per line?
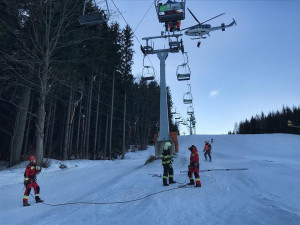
column 167, row 164
column 30, row 181
column 194, row 167
column 207, row 151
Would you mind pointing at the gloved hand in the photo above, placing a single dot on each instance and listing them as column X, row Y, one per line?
column 38, row 170
column 26, row 182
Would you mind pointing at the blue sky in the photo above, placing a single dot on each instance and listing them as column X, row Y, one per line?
column 248, row 69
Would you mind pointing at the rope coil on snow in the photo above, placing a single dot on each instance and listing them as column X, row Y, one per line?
column 111, row 203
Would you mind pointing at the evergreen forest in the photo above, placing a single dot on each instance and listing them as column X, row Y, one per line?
column 274, row 122
column 66, row 90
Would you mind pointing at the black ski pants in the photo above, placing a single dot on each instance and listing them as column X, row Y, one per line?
column 205, row 155
column 168, row 172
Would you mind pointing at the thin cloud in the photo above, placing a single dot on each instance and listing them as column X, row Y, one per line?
column 214, row 93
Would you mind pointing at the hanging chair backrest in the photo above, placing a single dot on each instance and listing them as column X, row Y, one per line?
column 93, row 18
column 148, row 73
column 183, row 72
column 190, row 110
column 187, row 98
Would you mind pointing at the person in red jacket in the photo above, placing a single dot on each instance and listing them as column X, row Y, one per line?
column 30, row 181
column 194, row 167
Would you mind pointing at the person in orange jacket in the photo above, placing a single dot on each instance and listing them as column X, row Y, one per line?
column 194, row 167
column 30, row 181
column 207, row 151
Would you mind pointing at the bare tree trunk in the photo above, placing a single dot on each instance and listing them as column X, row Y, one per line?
column 78, row 129
column 111, row 114
column 62, row 128
column 97, row 118
column 67, row 128
column 99, row 137
column 82, row 137
column 71, row 133
column 70, row 142
column 124, row 128
column 84, row 150
column 20, row 124
column 106, row 131
column 89, row 117
column 137, row 132
column 48, row 127
column 40, row 129
column 52, row 130
column 27, row 131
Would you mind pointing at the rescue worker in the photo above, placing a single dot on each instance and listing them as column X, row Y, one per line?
column 194, row 167
column 207, row 151
column 167, row 164
column 30, row 181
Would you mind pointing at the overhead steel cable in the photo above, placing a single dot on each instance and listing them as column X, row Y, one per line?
column 135, row 29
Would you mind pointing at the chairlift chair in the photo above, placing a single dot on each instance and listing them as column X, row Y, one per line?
column 183, row 71
column 187, row 97
column 173, row 111
column 148, row 72
column 190, row 110
column 93, row 18
column 177, row 117
column 170, row 11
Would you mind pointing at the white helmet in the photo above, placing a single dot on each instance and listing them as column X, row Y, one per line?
column 167, row 145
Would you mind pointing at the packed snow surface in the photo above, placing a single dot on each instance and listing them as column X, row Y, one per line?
column 267, row 193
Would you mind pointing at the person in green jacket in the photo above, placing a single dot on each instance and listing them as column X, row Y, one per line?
column 167, row 164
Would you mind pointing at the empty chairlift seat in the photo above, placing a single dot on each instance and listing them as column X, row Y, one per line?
column 183, row 72
column 187, row 98
column 148, row 73
column 92, row 18
column 190, row 110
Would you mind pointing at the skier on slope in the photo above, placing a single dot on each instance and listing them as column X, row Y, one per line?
column 207, row 151
column 30, row 181
column 167, row 164
column 194, row 167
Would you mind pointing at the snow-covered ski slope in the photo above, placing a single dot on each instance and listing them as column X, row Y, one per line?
column 267, row 193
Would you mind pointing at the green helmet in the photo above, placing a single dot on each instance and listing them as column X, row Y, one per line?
column 167, row 145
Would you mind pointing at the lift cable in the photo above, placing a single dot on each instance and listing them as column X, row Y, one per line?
column 135, row 28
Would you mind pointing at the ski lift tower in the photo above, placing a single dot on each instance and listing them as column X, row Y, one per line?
column 174, row 47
